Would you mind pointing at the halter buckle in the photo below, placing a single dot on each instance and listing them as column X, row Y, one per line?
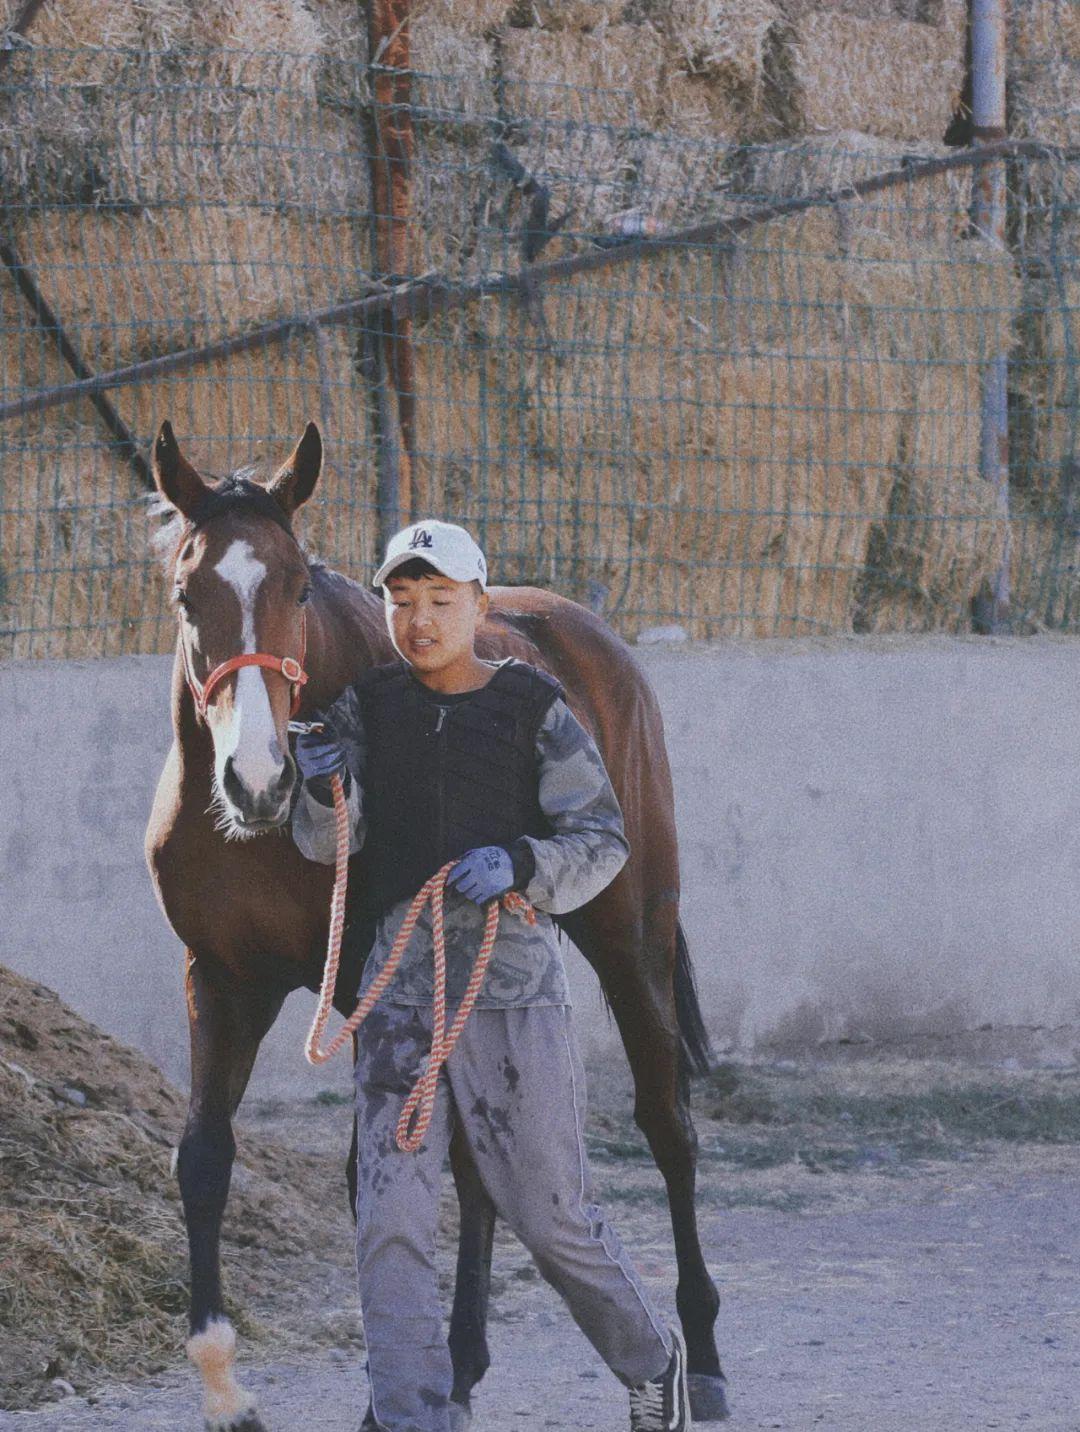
column 291, row 669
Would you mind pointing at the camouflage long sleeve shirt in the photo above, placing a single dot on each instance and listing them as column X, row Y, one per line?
column 584, row 853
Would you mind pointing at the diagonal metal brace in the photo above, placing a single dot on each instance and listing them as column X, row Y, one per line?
column 121, row 435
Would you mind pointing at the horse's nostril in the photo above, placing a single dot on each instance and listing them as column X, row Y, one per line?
column 285, row 781
column 234, row 787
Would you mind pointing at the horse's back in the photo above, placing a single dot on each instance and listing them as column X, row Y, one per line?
column 589, row 658
column 611, row 695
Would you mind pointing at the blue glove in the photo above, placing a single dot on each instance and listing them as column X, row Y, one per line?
column 483, row 873
column 319, row 755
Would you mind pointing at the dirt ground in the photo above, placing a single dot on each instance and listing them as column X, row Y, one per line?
column 895, row 1234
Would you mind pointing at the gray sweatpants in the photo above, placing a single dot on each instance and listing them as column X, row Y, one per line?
column 516, row 1083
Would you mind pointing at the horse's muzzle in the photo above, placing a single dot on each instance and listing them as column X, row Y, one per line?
column 255, row 811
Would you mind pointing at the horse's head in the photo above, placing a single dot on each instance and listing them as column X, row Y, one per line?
column 240, row 582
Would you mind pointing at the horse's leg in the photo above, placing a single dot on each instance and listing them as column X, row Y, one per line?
column 226, row 1028
column 468, row 1320
column 636, row 962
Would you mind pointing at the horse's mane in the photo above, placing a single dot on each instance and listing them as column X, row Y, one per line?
column 236, row 493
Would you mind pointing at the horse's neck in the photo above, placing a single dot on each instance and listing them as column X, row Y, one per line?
column 347, row 635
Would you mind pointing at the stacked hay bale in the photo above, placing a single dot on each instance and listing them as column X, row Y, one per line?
column 715, row 439
column 935, row 211
column 198, row 172
column 770, row 438
column 876, row 72
column 453, row 51
column 740, row 483
column 1044, row 54
column 763, row 530
column 647, row 462
column 824, row 326
column 719, row 52
column 947, row 528
column 894, row 277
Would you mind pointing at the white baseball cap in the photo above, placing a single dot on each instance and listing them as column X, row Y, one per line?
column 444, row 546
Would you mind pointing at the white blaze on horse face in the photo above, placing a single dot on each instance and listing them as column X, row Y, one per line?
column 249, row 736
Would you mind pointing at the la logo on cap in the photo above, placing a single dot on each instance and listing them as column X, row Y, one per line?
column 420, row 538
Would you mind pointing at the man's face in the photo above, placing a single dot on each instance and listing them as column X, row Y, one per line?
column 433, row 620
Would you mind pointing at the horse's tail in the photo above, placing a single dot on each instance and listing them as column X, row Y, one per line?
column 696, row 1056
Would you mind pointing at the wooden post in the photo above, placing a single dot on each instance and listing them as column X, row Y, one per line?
column 387, row 354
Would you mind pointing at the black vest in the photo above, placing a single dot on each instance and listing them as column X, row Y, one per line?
column 441, row 779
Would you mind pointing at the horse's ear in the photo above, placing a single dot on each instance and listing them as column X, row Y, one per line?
column 295, row 479
column 176, row 479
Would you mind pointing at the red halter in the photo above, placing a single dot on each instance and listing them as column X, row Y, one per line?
column 289, row 667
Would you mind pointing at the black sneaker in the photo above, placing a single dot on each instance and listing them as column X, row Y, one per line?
column 662, row 1405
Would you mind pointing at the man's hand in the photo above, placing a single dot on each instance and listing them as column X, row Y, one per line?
column 319, row 755
column 483, row 874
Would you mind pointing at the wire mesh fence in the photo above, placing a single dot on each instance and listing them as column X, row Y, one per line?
column 766, row 429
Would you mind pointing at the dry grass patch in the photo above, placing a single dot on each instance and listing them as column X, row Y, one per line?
column 93, row 1277
column 830, row 1128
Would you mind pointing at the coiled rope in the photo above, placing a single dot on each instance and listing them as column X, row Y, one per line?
column 420, row 1105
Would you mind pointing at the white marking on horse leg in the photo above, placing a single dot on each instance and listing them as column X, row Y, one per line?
column 213, row 1351
column 249, row 738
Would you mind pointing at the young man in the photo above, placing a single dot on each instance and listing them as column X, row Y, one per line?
column 448, row 757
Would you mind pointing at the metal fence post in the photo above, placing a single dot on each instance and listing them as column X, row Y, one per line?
column 988, row 56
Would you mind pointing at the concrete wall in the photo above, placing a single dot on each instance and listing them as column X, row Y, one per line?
column 879, row 837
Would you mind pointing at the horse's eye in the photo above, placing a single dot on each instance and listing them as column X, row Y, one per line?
column 303, row 596
column 181, row 598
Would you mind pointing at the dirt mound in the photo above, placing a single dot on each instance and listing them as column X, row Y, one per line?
column 93, row 1276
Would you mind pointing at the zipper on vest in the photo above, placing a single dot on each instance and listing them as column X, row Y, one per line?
column 440, row 782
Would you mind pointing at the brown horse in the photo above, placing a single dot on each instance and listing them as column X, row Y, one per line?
column 253, row 913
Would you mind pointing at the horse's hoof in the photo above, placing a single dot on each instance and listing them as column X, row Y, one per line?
column 249, row 1422
column 708, row 1397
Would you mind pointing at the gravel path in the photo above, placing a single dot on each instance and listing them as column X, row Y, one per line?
column 949, row 1301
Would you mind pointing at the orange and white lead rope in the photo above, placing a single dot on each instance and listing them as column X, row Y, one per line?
column 420, row 1104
